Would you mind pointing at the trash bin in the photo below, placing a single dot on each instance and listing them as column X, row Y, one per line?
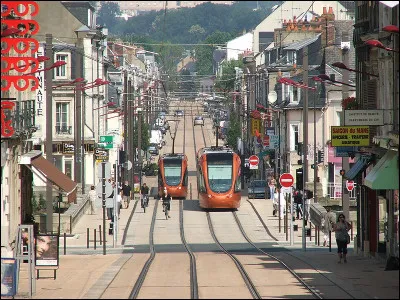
column 296, row 227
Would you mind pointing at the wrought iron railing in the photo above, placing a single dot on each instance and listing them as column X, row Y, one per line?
column 62, row 129
column 335, row 191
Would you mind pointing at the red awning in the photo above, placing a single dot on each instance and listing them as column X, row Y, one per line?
column 52, row 173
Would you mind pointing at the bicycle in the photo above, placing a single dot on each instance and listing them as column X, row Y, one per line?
column 145, row 202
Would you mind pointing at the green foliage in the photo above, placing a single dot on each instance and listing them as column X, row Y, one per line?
column 226, row 83
column 107, row 14
column 204, row 54
column 145, row 137
column 234, row 130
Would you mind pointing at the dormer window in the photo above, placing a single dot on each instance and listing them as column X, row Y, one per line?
column 291, row 57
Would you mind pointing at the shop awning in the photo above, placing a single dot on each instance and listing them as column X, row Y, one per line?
column 385, row 174
column 51, row 172
column 360, row 165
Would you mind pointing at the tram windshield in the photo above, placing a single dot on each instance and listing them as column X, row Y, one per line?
column 172, row 171
column 220, row 172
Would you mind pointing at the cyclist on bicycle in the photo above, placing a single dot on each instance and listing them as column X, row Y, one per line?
column 166, row 198
column 144, row 192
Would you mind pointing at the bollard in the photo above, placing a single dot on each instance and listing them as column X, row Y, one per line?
column 315, row 242
column 65, row 243
column 100, row 233
column 94, row 238
column 330, row 241
column 351, row 230
column 318, row 235
column 87, row 238
column 310, row 231
column 190, row 191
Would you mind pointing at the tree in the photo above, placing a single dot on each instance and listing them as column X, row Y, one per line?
column 144, row 134
column 107, row 14
column 226, row 82
column 234, row 130
column 204, row 53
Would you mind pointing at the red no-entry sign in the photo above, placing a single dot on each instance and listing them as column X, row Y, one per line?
column 349, row 185
column 286, row 180
column 253, row 160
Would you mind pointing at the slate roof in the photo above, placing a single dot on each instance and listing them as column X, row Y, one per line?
column 301, row 44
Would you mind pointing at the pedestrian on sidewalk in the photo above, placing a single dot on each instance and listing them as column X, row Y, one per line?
column 126, row 194
column 271, row 187
column 92, row 195
column 328, row 220
column 341, row 229
column 298, row 201
column 280, row 198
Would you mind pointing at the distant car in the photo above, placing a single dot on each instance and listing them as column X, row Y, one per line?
column 179, row 113
column 198, row 121
column 153, row 150
column 257, row 189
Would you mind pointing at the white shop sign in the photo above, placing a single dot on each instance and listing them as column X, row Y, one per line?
column 372, row 117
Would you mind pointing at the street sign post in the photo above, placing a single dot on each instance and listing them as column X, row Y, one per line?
column 286, row 180
column 349, row 185
column 253, row 162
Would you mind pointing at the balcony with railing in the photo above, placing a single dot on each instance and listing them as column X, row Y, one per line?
column 22, row 117
column 63, row 129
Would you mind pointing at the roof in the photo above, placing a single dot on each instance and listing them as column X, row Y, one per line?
column 301, row 44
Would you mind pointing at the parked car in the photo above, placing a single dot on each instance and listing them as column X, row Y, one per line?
column 198, row 121
column 153, row 149
column 257, row 189
column 179, row 113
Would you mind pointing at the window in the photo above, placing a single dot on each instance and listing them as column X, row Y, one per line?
column 61, row 72
column 62, row 117
column 294, row 94
column 294, row 136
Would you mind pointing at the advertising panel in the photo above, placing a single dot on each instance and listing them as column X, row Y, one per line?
column 8, row 277
column 255, row 125
column 46, row 250
column 350, row 136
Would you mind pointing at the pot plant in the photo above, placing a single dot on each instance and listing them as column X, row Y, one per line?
column 349, row 103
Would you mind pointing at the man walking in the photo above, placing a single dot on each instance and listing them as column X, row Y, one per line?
column 126, row 194
column 328, row 221
column 92, row 198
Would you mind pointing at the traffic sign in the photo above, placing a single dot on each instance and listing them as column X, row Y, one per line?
column 108, row 189
column 106, row 141
column 349, row 185
column 286, row 180
column 266, row 140
column 253, row 161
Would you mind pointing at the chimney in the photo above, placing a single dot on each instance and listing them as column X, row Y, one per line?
column 330, row 11
column 324, row 10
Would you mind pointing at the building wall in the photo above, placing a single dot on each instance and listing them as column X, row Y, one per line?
column 294, row 8
column 238, row 45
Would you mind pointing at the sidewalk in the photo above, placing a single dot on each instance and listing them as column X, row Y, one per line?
column 361, row 277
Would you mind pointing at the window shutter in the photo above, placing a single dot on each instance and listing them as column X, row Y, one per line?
column 369, row 101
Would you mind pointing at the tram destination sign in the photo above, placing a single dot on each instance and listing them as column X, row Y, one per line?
column 357, row 117
column 350, row 136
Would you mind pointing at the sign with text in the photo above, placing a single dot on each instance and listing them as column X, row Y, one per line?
column 106, row 141
column 273, row 141
column 68, row 147
column 349, row 136
column 101, row 154
column 269, row 131
column 255, row 125
column 344, row 151
column 373, row 117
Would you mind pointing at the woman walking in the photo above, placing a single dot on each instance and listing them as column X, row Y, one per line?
column 341, row 229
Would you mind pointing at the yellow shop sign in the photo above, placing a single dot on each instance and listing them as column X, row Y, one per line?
column 349, row 136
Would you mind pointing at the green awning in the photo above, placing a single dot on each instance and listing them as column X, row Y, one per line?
column 361, row 164
column 385, row 174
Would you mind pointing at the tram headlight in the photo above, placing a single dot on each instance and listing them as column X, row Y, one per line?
column 229, row 196
column 209, row 196
column 179, row 187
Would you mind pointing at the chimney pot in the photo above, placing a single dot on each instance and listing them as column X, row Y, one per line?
column 324, row 10
column 330, row 10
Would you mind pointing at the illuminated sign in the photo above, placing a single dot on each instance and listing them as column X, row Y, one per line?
column 350, row 136
column 255, row 125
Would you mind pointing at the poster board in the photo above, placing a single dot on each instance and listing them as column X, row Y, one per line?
column 46, row 251
column 8, row 277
